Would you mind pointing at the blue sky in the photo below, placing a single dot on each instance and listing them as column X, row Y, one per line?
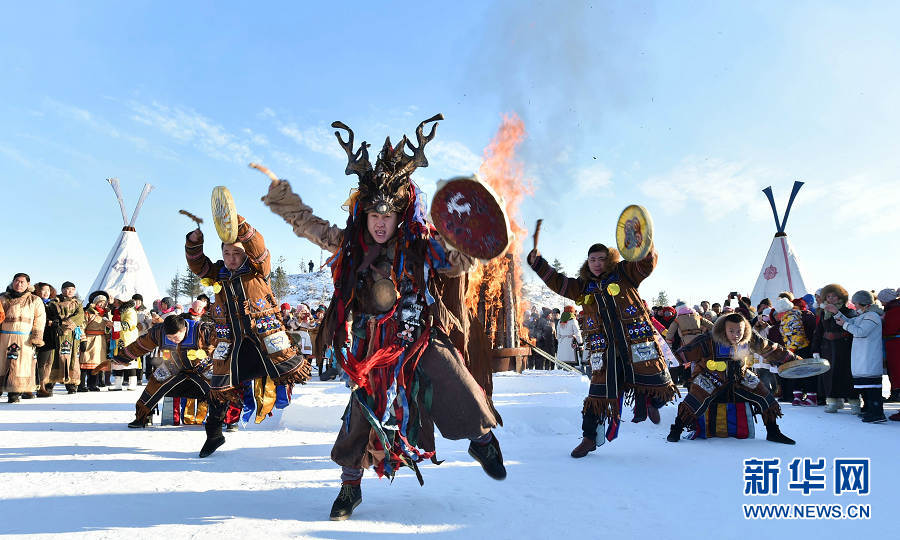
column 688, row 108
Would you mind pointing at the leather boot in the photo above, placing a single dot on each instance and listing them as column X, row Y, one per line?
column 675, row 431
column 774, row 434
column 874, row 413
column 214, row 437
column 490, row 457
column 653, row 414
column 347, row 500
column 584, row 447
column 139, row 422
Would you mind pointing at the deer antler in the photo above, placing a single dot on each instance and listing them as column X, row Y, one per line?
column 419, row 152
column 357, row 162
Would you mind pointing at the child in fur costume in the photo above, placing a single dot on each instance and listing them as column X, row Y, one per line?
column 720, row 372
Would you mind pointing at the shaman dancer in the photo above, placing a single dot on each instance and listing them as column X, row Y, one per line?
column 250, row 341
column 618, row 335
column 391, row 272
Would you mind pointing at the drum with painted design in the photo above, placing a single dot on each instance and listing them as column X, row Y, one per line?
column 634, row 233
column 803, row 367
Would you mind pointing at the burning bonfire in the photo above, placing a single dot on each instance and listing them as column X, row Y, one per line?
column 493, row 287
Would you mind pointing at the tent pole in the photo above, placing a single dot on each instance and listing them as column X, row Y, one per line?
column 797, row 186
column 768, row 192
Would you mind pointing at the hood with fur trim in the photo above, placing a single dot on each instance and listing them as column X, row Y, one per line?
column 612, row 259
column 836, row 289
column 719, row 336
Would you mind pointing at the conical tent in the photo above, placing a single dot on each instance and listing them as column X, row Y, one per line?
column 780, row 271
column 126, row 270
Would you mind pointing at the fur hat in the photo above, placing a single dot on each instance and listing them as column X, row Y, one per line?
column 834, row 288
column 863, row 298
column 93, row 296
column 782, row 305
column 888, row 295
column 570, row 309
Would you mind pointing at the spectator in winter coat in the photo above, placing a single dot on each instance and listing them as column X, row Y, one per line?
column 546, row 338
column 866, row 355
column 568, row 334
column 687, row 325
column 796, row 339
column 891, row 333
column 745, row 308
column 832, row 342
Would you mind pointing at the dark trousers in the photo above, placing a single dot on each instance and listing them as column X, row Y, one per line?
column 43, row 367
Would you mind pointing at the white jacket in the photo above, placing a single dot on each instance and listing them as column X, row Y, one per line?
column 866, row 354
column 565, row 333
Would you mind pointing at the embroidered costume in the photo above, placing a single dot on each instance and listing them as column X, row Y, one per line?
column 721, row 374
column 406, row 372
column 185, row 372
column 626, row 359
column 250, row 341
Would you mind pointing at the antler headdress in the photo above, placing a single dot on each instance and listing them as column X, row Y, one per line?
column 385, row 188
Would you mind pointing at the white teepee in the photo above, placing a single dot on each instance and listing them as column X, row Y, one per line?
column 126, row 270
column 780, row 271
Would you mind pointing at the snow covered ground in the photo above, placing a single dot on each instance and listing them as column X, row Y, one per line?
column 70, row 468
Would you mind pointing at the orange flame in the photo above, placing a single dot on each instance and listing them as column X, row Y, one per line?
column 504, row 173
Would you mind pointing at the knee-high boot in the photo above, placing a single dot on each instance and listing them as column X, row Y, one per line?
column 213, row 426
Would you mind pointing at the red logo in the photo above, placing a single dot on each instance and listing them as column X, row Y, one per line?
column 770, row 272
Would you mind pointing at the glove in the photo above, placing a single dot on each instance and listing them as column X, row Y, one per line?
column 817, row 356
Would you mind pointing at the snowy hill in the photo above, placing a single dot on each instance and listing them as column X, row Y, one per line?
column 313, row 289
column 537, row 294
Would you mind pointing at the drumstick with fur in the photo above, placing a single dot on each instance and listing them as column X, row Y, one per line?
column 195, row 219
column 265, row 170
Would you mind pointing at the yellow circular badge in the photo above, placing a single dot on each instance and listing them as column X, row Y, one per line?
column 720, row 366
column 613, row 289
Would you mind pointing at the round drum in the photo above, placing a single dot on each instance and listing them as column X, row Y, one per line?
column 634, row 233
column 470, row 217
column 803, row 367
column 224, row 214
